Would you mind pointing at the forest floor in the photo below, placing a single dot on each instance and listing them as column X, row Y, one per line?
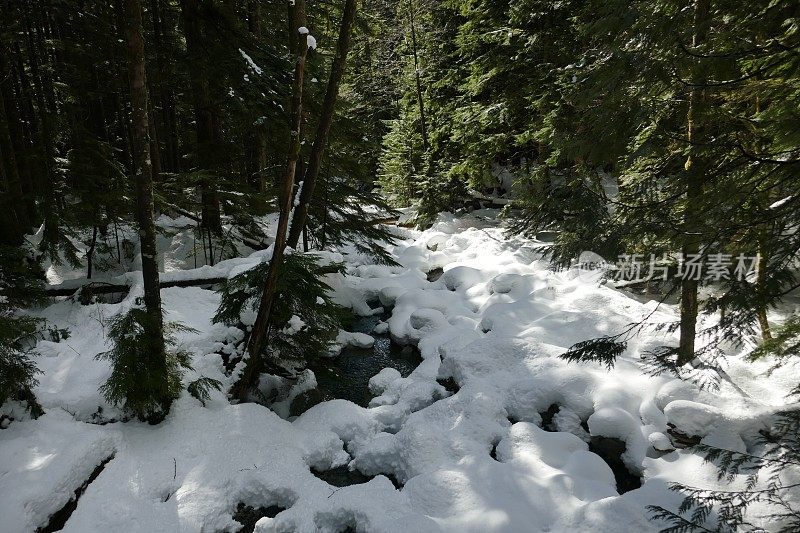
column 491, row 432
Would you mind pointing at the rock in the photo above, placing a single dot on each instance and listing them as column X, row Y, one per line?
column 435, row 274
column 660, row 442
column 426, row 319
column 693, row 418
column 462, row 277
column 389, row 295
column 305, row 401
column 437, row 241
column 381, row 381
column 504, row 283
column 355, row 339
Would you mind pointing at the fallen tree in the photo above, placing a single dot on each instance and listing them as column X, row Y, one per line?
column 100, row 287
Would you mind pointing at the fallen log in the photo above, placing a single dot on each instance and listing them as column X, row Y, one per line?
column 99, row 287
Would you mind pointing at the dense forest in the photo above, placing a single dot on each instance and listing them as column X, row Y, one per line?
column 203, row 202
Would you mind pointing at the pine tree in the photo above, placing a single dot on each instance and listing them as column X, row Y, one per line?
column 19, row 287
column 259, row 334
column 146, row 376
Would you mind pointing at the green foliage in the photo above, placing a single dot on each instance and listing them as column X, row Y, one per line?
column 342, row 215
column 145, row 373
column 603, row 350
column 302, row 293
column 18, row 287
column 571, row 202
column 785, row 343
column 401, row 161
column 201, row 388
column 770, row 480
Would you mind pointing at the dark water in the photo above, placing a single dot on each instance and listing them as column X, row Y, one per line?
column 347, row 376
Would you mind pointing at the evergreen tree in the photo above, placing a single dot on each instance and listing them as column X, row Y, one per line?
column 19, row 287
column 145, row 376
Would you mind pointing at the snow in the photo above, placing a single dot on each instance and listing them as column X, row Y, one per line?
column 357, row 340
column 780, row 202
column 311, row 41
column 472, row 460
column 252, row 64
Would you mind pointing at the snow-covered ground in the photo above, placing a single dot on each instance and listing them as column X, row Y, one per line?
column 473, row 460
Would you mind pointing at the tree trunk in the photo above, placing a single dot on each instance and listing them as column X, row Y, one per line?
column 90, row 253
column 693, row 176
column 761, row 288
column 423, row 124
column 323, row 128
column 260, row 331
column 254, row 18
column 143, row 169
column 204, row 114
column 10, row 142
column 14, row 213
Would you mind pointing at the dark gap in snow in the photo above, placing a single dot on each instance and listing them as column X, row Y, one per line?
column 512, row 419
column 342, row 476
column 396, row 482
column 493, row 452
column 435, row 274
column 547, row 418
column 610, row 450
column 248, row 516
column 231, row 358
column 305, row 401
column 337, row 521
column 59, row 519
column 5, row 421
column 449, row 385
column 682, row 440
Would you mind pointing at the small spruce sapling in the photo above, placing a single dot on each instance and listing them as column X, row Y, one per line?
column 19, row 287
column 146, row 375
column 301, row 293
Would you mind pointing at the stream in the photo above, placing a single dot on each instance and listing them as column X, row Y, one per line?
column 347, row 375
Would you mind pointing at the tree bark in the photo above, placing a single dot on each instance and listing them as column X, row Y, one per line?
column 693, row 176
column 143, row 170
column 423, row 123
column 14, row 213
column 204, row 114
column 260, row 331
column 326, row 119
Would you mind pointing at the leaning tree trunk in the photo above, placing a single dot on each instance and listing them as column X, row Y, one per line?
column 142, row 168
column 692, row 239
column 324, row 127
column 258, row 336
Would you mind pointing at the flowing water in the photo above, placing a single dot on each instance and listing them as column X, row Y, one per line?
column 347, row 376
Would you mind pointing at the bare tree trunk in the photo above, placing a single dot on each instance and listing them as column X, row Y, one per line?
column 423, row 126
column 761, row 282
column 204, row 114
column 260, row 331
column 14, row 213
column 324, row 127
column 90, row 253
column 143, row 169
column 694, row 192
